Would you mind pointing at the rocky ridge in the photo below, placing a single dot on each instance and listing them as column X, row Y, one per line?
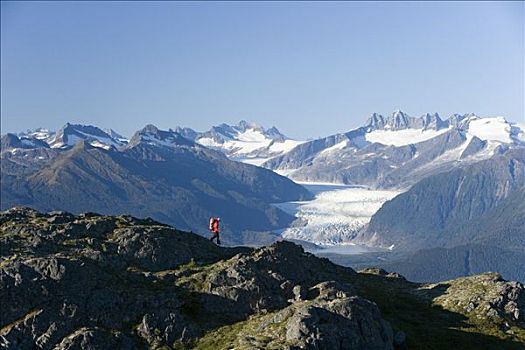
column 92, row 281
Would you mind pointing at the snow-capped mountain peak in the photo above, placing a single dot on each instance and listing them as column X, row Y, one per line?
column 245, row 141
column 375, row 121
column 39, row 134
column 115, row 135
column 12, row 141
column 401, row 121
column 496, row 129
column 399, row 149
column 152, row 135
column 71, row 134
column 244, row 125
column 400, row 129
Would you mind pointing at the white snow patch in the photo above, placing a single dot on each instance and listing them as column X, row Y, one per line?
column 402, row 137
column 98, row 144
column 343, row 249
column 252, row 161
column 101, row 139
column 336, row 147
column 319, row 186
column 72, row 139
column 208, row 142
column 39, row 134
column 492, row 129
column 285, row 146
column 249, row 142
column 152, row 140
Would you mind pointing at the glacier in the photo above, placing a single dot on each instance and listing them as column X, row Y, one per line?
column 335, row 215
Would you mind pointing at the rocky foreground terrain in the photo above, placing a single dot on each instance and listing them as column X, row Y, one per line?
column 103, row 282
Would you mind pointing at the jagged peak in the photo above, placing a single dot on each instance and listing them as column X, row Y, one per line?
column 70, row 134
column 225, row 132
column 150, row 128
column 273, row 131
column 12, row 141
column 152, row 135
column 375, row 120
column 115, row 134
column 400, row 120
column 399, row 114
column 244, row 125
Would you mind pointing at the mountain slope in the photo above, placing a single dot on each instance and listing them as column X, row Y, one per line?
column 119, row 282
column 494, row 241
column 398, row 151
column 438, row 264
column 13, row 142
column 442, row 210
column 159, row 174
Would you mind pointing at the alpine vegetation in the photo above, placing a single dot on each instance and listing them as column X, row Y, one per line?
column 93, row 281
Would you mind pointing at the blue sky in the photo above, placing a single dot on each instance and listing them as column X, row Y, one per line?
column 310, row 68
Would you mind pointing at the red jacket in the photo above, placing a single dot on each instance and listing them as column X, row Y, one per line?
column 214, row 225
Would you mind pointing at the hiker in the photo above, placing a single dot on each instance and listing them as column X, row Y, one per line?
column 214, row 228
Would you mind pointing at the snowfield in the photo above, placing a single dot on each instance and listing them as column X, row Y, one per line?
column 250, row 142
column 335, row 214
column 494, row 129
column 402, row 137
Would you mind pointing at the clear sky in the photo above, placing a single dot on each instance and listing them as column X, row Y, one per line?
column 309, row 68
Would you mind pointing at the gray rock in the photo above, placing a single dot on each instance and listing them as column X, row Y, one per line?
column 342, row 323
column 95, row 338
column 299, row 293
column 100, row 282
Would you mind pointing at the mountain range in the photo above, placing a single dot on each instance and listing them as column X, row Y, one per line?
column 398, row 151
column 156, row 173
column 461, row 181
column 247, row 142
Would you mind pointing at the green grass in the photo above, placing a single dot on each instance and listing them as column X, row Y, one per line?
column 196, row 277
column 429, row 325
column 257, row 332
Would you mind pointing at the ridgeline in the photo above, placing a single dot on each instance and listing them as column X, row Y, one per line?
column 92, row 281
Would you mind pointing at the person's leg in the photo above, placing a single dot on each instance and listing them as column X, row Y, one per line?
column 218, row 240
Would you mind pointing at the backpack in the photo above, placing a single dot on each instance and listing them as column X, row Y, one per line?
column 214, row 224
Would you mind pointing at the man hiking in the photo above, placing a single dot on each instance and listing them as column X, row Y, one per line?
column 214, row 228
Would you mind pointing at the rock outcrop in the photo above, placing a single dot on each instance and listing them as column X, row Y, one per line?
column 93, row 282
column 486, row 296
